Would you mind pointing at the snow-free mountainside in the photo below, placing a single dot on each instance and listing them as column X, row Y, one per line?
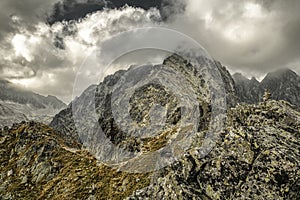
column 18, row 105
column 255, row 156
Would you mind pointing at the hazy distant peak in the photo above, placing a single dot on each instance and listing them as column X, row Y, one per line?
column 239, row 76
column 12, row 93
column 281, row 73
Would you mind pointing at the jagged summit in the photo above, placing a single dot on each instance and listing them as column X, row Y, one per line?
column 281, row 73
column 254, row 154
column 240, row 76
column 253, row 79
column 284, row 84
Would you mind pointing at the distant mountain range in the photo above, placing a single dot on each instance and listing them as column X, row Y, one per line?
column 9, row 92
column 18, row 105
column 284, row 84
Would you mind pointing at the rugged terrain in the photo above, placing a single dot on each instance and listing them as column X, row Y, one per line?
column 283, row 84
column 35, row 163
column 256, row 157
column 17, row 105
column 190, row 152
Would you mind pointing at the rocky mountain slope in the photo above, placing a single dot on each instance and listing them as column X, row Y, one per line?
column 8, row 116
column 35, row 163
column 283, row 84
column 187, row 87
column 100, row 146
column 256, row 157
column 17, row 105
column 229, row 84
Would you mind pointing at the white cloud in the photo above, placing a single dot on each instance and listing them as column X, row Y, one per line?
column 247, row 35
column 33, row 53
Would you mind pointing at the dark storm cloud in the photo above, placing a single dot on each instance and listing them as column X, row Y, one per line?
column 250, row 36
column 73, row 10
column 46, row 57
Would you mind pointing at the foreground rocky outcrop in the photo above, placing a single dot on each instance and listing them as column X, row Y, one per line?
column 256, row 157
column 35, row 163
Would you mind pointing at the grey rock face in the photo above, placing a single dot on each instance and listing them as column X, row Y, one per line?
column 64, row 121
column 257, row 157
column 145, row 105
column 230, row 86
column 283, row 85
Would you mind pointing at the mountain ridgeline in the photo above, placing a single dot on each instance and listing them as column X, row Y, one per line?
column 11, row 93
column 252, row 152
column 18, row 105
column 283, row 84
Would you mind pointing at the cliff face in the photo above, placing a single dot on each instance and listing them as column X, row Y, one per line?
column 230, row 86
column 283, row 85
column 64, row 121
column 248, row 91
column 175, row 101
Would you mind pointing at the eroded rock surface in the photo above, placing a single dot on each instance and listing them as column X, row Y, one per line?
column 257, row 157
column 255, row 154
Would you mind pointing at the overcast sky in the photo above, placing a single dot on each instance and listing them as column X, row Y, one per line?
column 44, row 42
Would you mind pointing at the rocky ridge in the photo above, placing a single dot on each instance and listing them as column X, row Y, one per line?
column 36, row 163
column 255, row 155
column 102, row 95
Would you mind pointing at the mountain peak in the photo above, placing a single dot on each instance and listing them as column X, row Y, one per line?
column 239, row 76
column 281, row 73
